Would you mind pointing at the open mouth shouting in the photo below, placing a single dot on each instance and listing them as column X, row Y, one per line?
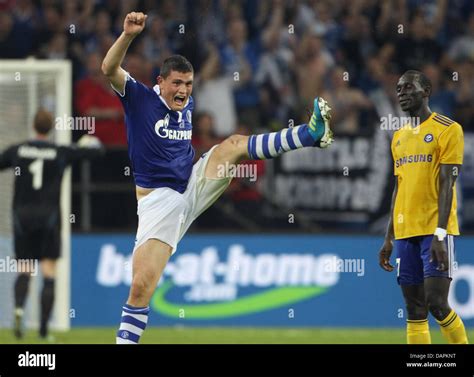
column 179, row 100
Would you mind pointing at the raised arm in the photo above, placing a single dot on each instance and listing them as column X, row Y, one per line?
column 133, row 25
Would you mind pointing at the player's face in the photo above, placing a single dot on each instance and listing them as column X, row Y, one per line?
column 410, row 93
column 176, row 89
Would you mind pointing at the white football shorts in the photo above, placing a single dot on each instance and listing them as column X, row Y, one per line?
column 166, row 215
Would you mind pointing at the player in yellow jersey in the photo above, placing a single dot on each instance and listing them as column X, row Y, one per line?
column 427, row 154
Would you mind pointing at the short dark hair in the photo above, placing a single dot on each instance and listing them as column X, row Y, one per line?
column 424, row 81
column 175, row 63
column 43, row 122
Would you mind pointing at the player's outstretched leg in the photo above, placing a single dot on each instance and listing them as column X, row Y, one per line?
column 48, row 268
column 149, row 261
column 258, row 147
column 315, row 134
column 451, row 325
column 21, row 291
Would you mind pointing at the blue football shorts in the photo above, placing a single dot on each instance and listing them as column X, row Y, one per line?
column 413, row 259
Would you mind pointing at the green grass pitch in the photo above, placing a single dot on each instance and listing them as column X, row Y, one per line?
column 221, row 335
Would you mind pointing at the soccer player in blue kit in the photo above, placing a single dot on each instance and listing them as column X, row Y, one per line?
column 171, row 191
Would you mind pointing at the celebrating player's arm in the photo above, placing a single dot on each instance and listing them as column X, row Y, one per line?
column 133, row 25
column 387, row 247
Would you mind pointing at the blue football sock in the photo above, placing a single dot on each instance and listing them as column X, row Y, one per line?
column 132, row 324
column 271, row 145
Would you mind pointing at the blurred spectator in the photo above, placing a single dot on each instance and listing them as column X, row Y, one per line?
column 204, row 135
column 57, row 47
column 356, row 44
column 140, row 69
column 346, row 102
column 102, row 29
column 213, row 93
column 51, row 24
column 25, row 16
column 95, row 98
column 275, row 73
column 462, row 48
column 465, row 94
column 313, row 63
column 419, row 47
column 372, row 75
column 156, row 44
column 210, row 22
column 240, row 58
column 8, row 44
column 442, row 100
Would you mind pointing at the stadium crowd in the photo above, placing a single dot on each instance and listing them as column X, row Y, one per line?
column 258, row 63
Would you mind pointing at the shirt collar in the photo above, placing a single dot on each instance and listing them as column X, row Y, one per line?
column 156, row 88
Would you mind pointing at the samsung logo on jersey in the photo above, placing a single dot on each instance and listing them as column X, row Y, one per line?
column 26, row 151
column 162, row 130
column 413, row 158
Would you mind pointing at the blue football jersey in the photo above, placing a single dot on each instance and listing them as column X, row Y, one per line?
column 159, row 139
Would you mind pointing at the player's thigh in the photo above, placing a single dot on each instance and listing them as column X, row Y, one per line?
column 149, row 261
column 49, row 243
column 409, row 262
column 25, row 241
column 24, row 247
column 202, row 191
column 230, row 151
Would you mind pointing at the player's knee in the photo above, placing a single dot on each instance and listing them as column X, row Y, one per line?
column 416, row 311
column 138, row 289
column 234, row 145
column 438, row 306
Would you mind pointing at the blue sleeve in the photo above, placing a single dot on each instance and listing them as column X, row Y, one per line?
column 133, row 95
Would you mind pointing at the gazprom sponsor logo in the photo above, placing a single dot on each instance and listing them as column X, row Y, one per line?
column 162, row 130
column 205, row 286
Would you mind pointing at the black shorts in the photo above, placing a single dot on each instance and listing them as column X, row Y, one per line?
column 36, row 240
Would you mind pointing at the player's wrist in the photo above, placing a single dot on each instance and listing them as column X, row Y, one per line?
column 440, row 234
column 129, row 36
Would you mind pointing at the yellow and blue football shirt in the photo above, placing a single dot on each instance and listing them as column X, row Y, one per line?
column 417, row 154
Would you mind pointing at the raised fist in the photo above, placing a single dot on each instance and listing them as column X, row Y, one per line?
column 134, row 23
